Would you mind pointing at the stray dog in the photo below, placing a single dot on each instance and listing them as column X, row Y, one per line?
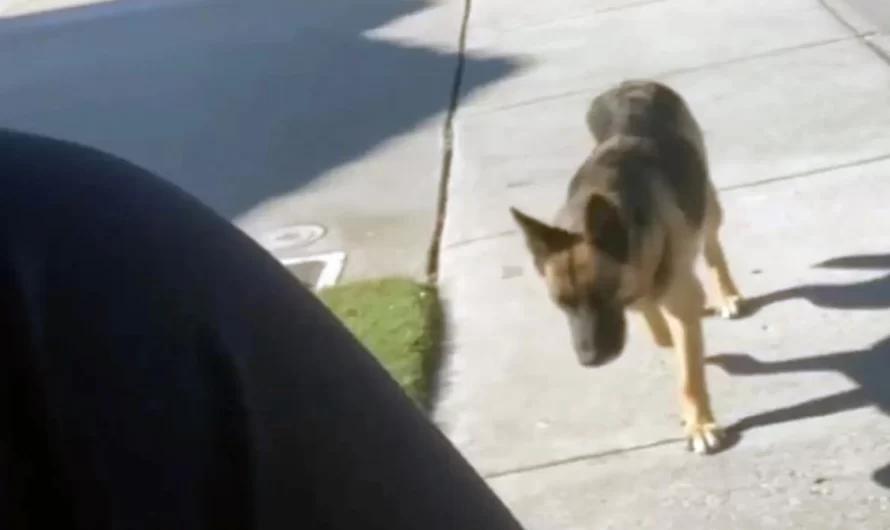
column 639, row 211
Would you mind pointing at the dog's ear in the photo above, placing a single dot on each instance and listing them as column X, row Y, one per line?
column 542, row 239
column 605, row 229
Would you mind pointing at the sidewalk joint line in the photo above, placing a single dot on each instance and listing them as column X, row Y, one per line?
column 579, row 458
column 723, row 189
column 863, row 38
column 473, row 113
column 807, row 173
column 486, row 237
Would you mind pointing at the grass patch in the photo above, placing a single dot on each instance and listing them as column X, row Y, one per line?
column 399, row 320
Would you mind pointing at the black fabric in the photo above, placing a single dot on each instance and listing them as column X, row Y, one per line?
column 161, row 371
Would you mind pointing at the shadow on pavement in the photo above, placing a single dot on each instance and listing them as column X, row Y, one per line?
column 868, row 368
column 235, row 101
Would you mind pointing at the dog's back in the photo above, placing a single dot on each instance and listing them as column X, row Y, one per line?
column 643, row 109
column 647, row 139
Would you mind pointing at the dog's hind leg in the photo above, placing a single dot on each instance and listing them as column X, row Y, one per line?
column 730, row 299
column 682, row 311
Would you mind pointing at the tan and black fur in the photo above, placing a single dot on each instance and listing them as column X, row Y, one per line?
column 639, row 212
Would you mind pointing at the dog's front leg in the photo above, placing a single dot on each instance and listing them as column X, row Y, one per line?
column 730, row 300
column 656, row 323
column 682, row 310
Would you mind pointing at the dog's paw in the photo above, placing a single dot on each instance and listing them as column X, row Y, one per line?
column 731, row 307
column 703, row 438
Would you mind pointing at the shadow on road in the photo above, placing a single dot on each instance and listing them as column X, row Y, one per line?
column 868, row 368
column 236, row 101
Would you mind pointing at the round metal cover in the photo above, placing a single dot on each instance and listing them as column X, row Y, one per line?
column 293, row 236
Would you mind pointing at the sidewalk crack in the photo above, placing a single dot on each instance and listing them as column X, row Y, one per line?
column 578, row 458
column 435, row 249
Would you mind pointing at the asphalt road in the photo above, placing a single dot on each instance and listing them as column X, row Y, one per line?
column 247, row 103
column 230, row 100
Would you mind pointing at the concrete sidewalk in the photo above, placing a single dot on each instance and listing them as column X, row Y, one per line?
column 795, row 104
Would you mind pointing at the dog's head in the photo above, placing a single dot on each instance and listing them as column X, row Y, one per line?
column 587, row 275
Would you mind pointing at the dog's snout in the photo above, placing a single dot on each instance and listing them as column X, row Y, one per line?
column 589, row 362
column 591, row 357
column 597, row 338
column 592, row 353
column 586, row 353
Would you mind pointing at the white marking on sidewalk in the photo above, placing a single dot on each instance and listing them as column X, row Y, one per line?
column 334, row 263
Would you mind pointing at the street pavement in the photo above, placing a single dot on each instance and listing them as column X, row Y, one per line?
column 796, row 111
column 275, row 113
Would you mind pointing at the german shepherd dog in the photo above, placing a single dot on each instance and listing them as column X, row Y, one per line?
column 639, row 211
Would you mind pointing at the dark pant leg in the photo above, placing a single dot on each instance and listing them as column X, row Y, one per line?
column 161, row 371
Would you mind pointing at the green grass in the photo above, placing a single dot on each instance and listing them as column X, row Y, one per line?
column 399, row 321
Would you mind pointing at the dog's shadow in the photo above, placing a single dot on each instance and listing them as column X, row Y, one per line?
column 871, row 294
column 869, row 368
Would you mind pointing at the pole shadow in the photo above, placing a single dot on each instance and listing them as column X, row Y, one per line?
column 235, row 101
column 868, row 368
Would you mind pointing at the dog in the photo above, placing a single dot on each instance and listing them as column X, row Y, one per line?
column 639, row 212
